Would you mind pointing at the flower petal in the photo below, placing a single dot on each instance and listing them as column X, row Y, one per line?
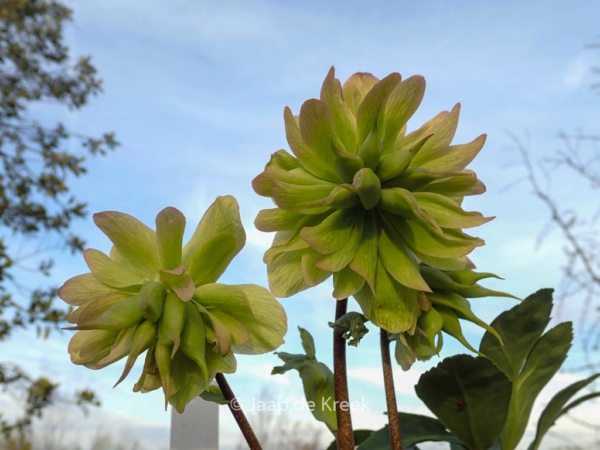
column 394, row 307
column 373, row 102
column 269, row 325
column 227, row 298
column 356, row 88
column 346, row 283
column 343, row 120
column 133, row 240
column 447, row 213
column 438, row 144
column 334, row 262
column 276, row 219
column 110, row 272
column 365, row 260
column 285, row 274
column 411, row 139
column 311, row 273
column 170, row 225
column 457, row 157
column 332, row 234
column 320, row 165
column 81, row 289
column 297, row 198
column 217, row 239
column 400, row 263
column 401, row 104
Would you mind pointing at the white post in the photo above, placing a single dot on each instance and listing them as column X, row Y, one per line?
column 197, row 428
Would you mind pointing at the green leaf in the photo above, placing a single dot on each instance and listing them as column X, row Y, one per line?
column 415, row 429
column 359, row 437
column 134, row 241
column 209, row 252
column 470, row 396
column 544, row 360
column 308, row 343
column 458, row 185
column 556, row 408
column 352, row 325
column 520, row 327
column 426, row 129
column 322, row 166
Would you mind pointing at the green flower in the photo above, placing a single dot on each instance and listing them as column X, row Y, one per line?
column 441, row 310
column 365, row 201
column 150, row 294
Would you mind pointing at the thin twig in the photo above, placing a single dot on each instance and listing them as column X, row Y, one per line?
column 345, row 434
column 390, row 392
column 238, row 414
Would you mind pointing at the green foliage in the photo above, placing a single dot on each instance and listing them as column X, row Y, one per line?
column 317, row 380
column 470, row 396
column 415, row 429
column 36, row 165
column 529, row 358
column 556, row 408
column 486, row 403
column 352, row 325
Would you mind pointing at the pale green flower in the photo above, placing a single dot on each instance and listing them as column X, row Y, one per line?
column 365, row 201
column 150, row 294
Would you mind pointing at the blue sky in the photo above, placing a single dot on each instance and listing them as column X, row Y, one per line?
column 196, row 91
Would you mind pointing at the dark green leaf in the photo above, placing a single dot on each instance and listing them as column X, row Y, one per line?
column 470, row 396
column 555, row 409
column 520, row 327
column 544, row 360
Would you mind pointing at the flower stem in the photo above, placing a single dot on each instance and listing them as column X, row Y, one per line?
column 390, row 393
column 345, row 435
column 238, row 414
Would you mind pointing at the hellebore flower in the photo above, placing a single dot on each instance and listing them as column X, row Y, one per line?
column 365, row 201
column 150, row 294
column 441, row 310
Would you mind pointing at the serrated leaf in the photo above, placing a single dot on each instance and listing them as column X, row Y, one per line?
column 470, row 396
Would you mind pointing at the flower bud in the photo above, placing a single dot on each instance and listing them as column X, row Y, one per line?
column 370, row 150
column 368, row 188
column 152, row 298
column 171, row 322
column 431, row 322
column 143, row 337
column 193, row 338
